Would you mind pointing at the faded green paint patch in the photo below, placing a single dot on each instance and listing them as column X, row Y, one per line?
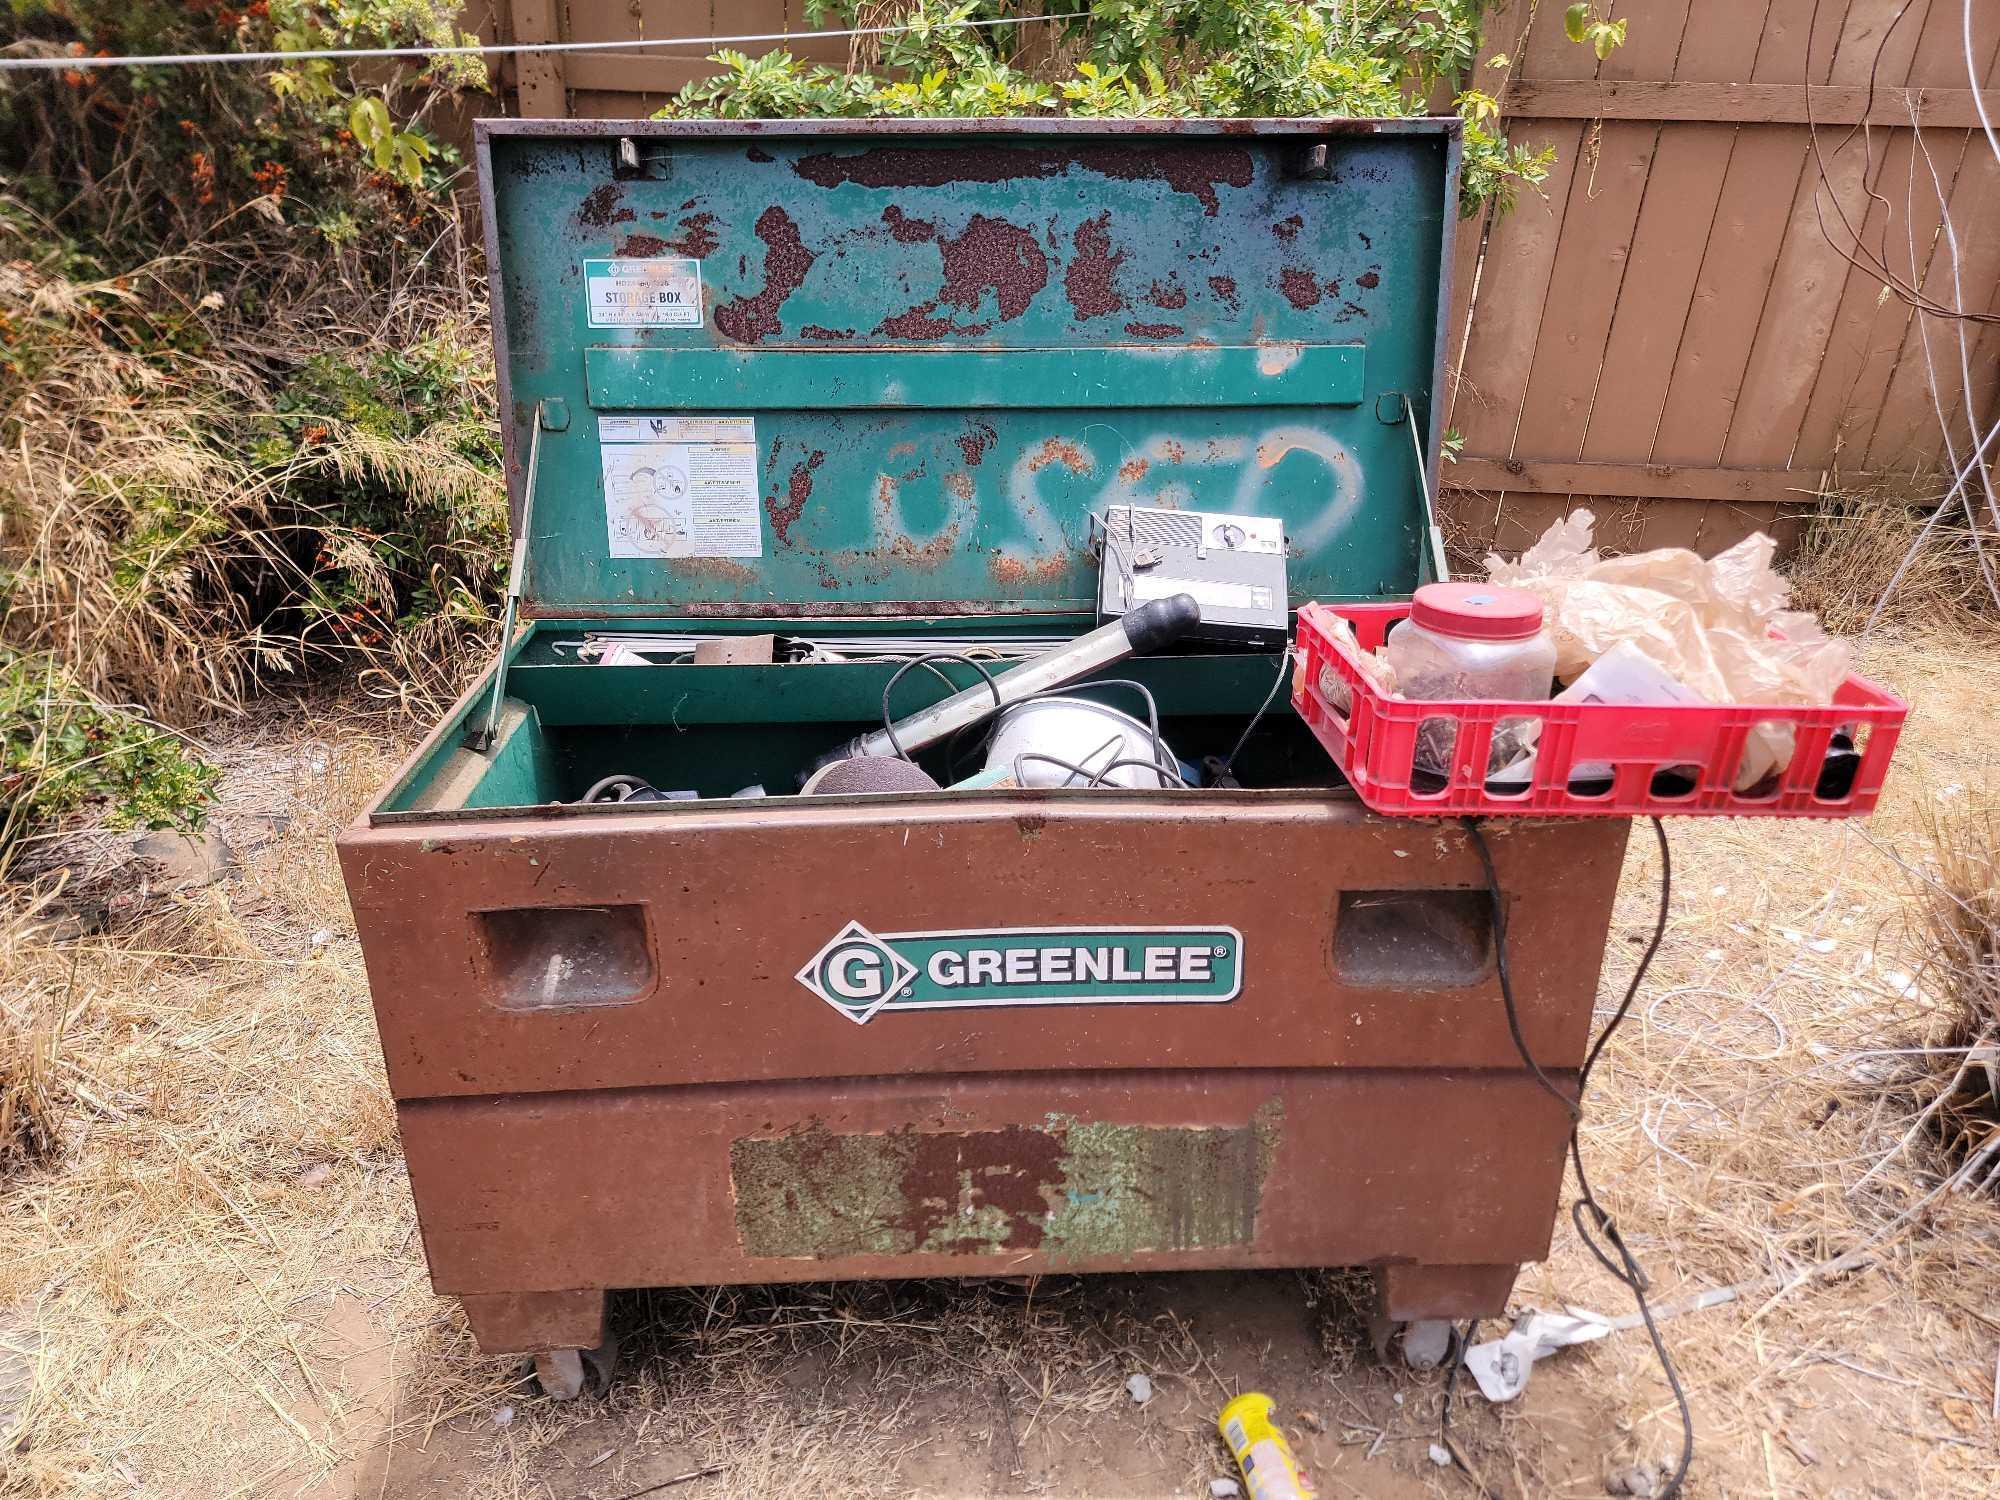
column 1069, row 1190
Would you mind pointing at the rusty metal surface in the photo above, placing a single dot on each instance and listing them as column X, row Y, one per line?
column 996, row 1175
column 922, row 324
column 1025, row 125
column 514, row 1322
column 737, row 897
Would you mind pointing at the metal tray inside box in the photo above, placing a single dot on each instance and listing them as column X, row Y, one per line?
column 899, row 365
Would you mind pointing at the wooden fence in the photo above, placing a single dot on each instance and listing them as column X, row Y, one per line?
column 1690, row 328
column 1674, row 333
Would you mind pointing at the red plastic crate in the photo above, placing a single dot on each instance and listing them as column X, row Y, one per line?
column 1374, row 743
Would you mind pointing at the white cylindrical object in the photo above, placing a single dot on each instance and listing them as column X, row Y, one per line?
column 1084, row 733
column 1082, row 656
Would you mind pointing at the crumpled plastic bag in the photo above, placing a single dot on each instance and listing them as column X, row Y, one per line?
column 1719, row 625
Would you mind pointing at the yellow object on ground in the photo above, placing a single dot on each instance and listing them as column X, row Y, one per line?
column 1270, row 1470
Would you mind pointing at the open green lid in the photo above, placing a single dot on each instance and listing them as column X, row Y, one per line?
column 877, row 367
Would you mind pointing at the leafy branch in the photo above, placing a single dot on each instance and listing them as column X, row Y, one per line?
column 1158, row 58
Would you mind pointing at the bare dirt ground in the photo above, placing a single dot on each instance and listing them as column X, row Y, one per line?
column 218, row 1289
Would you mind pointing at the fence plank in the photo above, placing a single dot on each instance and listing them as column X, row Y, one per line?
column 1906, row 430
column 1745, row 103
column 1501, row 37
column 1514, row 284
column 1635, row 481
column 1592, row 257
column 1798, row 317
column 538, row 75
column 1871, row 324
column 1690, row 167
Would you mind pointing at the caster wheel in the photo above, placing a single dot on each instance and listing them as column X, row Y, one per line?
column 1427, row 1343
column 1381, row 1331
column 603, row 1360
column 561, row 1373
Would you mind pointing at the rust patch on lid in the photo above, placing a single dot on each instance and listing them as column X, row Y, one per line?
column 959, row 484
column 1287, row 230
column 697, row 236
column 1193, row 167
column 988, row 253
column 1171, row 297
column 1133, row 470
column 975, row 440
column 905, row 230
column 1059, row 450
column 1015, row 572
column 641, row 245
column 1300, row 287
column 750, row 320
column 759, row 154
column 1368, row 279
column 1155, row 330
column 798, row 490
column 1091, row 280
column 1224, row 288
column 825, row 335
column 600, row 209
column 930, row 554
column 723, row 569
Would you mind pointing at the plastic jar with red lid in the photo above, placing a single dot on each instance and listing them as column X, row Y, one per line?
column 1472, row 640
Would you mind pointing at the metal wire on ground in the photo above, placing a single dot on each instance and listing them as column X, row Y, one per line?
column 1599, row 1233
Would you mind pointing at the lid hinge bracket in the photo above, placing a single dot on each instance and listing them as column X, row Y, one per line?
column 482, row 735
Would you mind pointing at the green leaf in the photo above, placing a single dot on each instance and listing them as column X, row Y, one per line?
column 1576, row 22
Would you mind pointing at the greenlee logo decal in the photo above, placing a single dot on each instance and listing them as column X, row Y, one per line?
column 860, row 972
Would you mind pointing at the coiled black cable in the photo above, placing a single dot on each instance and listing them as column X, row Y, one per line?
column 926, row 660
column 1626, row 1266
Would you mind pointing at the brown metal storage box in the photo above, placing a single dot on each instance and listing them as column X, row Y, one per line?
column 962, row 1032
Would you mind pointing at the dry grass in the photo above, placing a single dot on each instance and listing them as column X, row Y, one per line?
column 31, row 1027
column 158, row 544
column 217, row 1286
column 1955, row 901
column 1855, row 544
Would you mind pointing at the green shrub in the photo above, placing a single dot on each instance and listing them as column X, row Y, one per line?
column 246, row 401
column 1164, row 58
column 61, row 749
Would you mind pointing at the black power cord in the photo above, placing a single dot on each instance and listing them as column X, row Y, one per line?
column 927, row 660
column 1222, row 768
column 1605, row 1234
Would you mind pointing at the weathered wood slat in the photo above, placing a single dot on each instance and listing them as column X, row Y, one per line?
column 1741, row 103
column 1638, row 481
column 1593, row 258
column 539, row 75
column 1798, row 318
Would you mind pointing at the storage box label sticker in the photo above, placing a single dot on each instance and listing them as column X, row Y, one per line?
column 860, row 973
column 662, row 293
column 680, row 486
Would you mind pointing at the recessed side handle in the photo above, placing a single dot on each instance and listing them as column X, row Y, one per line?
column 1435, row 939
column 564, row 957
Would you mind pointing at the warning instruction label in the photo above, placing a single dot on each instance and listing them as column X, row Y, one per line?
column 680, row 486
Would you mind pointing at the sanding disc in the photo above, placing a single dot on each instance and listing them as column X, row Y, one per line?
column 868, row 773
